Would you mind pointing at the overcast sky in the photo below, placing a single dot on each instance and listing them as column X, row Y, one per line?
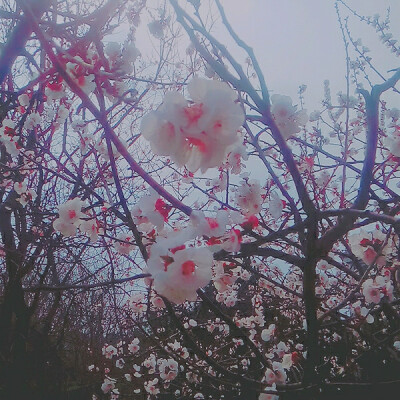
column 299, row 41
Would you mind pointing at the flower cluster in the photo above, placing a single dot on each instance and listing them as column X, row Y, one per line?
column 286, row 116
column 369, row 245
column 248, row 197
column 392, row 141
column 151, row 210
column 9, row 138
column 375, row 289
column 124, row 244
column 25, row 194
column 121, row 60
column 71, row 217
column 199, row 134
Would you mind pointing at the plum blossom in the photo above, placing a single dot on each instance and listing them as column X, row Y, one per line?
column 210, row 226
column 156, row 28
column 108, row 385
column 91, row 228
column 314, row 116
column 286, row 116
column 268, row 333
column 101, row 147
column 168, row 369
column 181, row 351
column 137, row 303
column 70, row 214
column 223, row 277
column 178, row 275
column 109, row 351
column 280, row 374
column 151, row 388
column 275, row 375
column 55, row 90
column 322, row 179
column 124, row 244
column 133, row 346
column 324, row 265
column 23, row 99
column 275, row 206
column 121, row 60
column 281, row 349
column 112, row 50
column 219, row 183
column 129, row 55
column 235, row 157
column 268, row 396
column 392, row 142
column 150, row 362
column 248, row 197
column 9, row 138
column 369, row 245
column 374, row 289
column 371, row 292
column 151, row 209
column 157, row 302
column 200, row 134
column 32, row 120
column 25, row 194
column 77, row 71
column 230, row 242
column 287, row 361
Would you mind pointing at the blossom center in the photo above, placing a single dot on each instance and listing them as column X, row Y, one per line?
column 193, row 113
column 194, row 142
column 72, row 214
column 188, row 267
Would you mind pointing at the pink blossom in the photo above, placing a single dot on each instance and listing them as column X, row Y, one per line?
column 231, row 241
column 275, row 206
column 177, row 276
column 197, row 135
column 108, row 385
column 91, row 228
column 369, row 245
column 109, row 351
column 137, row 303
column 285, row 115
column 371, row 292
column 124, row 243
column 70, row 214
column 151, row 209
column 158, row 302
column 134, row 347
column 168, row 369
column 268, row 333
column 23, row 99
column 151, row 388
column 248, row 197
column 268, row 396
column 392, row 142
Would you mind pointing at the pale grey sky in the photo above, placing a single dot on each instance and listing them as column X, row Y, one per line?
column 299, row 41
